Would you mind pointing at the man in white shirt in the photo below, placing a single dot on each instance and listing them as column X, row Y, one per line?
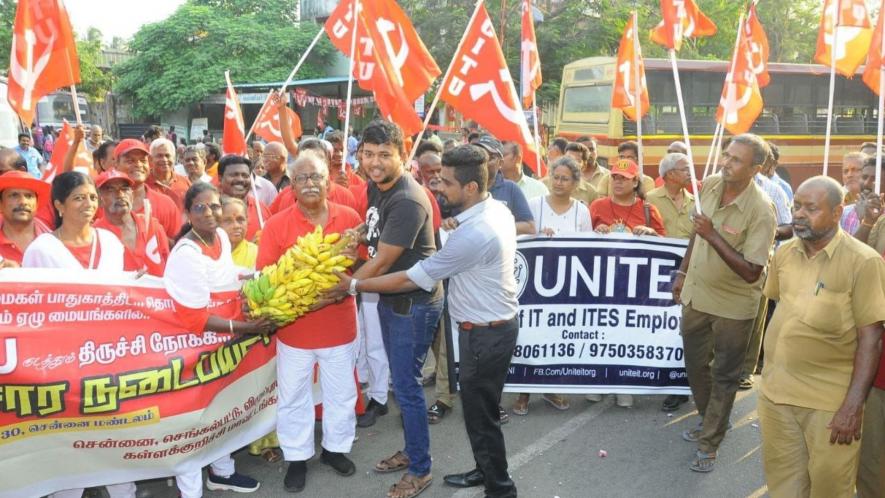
column 511, row 168
column 478, row 260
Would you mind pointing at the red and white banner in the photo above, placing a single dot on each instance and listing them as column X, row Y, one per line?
column 233, row 140
column 391, row 60
column 481, row 89
column 873, row 70
column 849, row 23
column 625, row 89
column 530, row 61
column 82, row 161
column 741, row 102
column 267, row 124
column 681, row 19
column 757, row 43
column 43, row 57
column 97, row 372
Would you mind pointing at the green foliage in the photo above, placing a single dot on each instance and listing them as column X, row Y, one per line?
column 7, row 19
column 182, row 59
column 94, row 82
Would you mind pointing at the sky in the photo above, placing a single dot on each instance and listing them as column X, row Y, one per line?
column 117, row 17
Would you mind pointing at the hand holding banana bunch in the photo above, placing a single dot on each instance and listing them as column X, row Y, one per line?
column 289, row 288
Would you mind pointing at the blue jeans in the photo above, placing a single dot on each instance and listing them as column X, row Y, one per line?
column 407, row 339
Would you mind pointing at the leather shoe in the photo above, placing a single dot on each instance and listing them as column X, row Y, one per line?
column 296, row 476
column 466, row 480
column 338, row 461
column 373, row 411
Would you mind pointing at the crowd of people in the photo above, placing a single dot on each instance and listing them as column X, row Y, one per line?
column 802, row 270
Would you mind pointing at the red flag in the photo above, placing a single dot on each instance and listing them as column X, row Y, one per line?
column 850, row 24
column 82, row 161
column 267, row 124
column 43, row 56
column 233, row 141
column 741, row 102
column 682, row 19
column 391, row 60
column 529, row 59
column 624, row 92
column 873, row 71
column 481, row 89
column 757, row 42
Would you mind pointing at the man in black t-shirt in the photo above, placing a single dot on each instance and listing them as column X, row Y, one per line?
column 399, row 233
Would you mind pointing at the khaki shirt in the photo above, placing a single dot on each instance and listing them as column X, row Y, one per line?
column 812, row 337
column 647, row 184
column 677, row 219
column 597, row 177
column 584, row 192
column 876, row 239
column 748, row 225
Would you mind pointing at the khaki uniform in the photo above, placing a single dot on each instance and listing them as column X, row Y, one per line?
column 584, row 192
column 677, row 219
column 809, row 360
column 871, row 472
column 720, row 306
column 598, row 176
column 647, row 184
column 876, row 239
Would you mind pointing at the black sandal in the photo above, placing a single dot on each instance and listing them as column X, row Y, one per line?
column 437, row 412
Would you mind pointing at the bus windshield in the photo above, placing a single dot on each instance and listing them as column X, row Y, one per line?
column 53, row 109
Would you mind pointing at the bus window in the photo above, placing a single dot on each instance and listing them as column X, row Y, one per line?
column 590, row 104
column 53, row 109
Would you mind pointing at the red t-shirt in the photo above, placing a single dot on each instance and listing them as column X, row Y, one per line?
column 333, row 325
column 83, row 254
column 336, row 194
column 151, row 245
column 174, row 191
column 10, row 251
column 605, row 212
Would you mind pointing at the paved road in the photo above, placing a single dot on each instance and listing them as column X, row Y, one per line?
column 551, row 454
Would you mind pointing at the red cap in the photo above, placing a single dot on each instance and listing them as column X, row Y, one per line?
column 128, row 145
column 626, row 168
column 24, row 181
column 112, row 174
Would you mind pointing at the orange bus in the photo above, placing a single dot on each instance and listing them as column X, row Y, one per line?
column 794, row 116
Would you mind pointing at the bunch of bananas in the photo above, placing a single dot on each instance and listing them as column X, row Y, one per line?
column 287, row 289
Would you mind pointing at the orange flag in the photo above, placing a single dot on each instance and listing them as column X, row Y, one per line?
column 529, row 59
column 43, row 56
column 681, row 19
column 233, row 141
column 391, row 60
column 267, row 124
column 757, row 42
column 624, row 92
column 873, row 70
column 82, row 161
column 741, row 102
column 851, row 26
column 480, row 88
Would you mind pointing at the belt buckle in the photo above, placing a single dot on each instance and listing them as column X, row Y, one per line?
column 466, row 326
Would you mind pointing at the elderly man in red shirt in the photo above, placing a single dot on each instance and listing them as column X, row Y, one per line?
column 20, row 196
column 325, row 336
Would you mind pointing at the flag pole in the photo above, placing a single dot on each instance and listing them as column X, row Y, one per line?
column 833, row 46
column 537, row 135
column 881, row 121
column 638, row 97
column 353, row 37
column 712, row 148
column 76, row 105
column 691, row 171
column 255, row 121
column 444, row 80
column 717, row 152
column 301, row 60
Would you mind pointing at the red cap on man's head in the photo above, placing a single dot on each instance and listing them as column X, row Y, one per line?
column 24, row 181
column 626, row 168
column 128, row 145
column 112, row 174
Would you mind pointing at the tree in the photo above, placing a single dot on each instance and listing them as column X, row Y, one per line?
column 7, row 19
column 182, row 59
column 94, row 81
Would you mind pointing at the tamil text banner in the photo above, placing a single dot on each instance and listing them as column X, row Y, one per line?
column 596, row 315
column 100, row 383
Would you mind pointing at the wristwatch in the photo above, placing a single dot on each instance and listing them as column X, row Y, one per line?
column 352, row 289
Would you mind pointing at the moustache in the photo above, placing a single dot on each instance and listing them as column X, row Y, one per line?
column 22, row 210
column 310, row 190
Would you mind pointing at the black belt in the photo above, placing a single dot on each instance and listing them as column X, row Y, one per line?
column 468, row 326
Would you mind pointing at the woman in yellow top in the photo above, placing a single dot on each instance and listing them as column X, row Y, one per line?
column 234, row 219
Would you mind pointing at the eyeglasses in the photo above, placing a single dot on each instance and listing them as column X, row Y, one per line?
column 202, row 207
column 314, row 177
column 563, row 179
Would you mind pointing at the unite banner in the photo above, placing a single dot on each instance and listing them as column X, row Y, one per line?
column 596, row 315
column 101, row 384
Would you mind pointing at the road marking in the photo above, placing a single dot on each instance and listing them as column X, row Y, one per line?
column 544, row 443
column 759, row 493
